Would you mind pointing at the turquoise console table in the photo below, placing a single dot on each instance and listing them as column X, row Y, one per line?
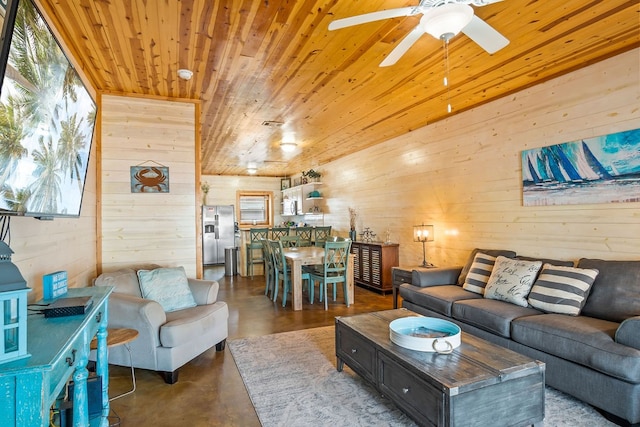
column 59, row 349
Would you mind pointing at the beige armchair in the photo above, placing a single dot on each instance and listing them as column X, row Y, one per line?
column 166, row 340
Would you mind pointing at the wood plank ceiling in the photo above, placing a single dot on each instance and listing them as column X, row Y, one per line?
column 275, row 60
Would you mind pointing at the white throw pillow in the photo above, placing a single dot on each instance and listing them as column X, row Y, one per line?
column 511, row 280
column 168, row 286
column 479, row 273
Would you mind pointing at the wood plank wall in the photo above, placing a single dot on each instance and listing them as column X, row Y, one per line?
column 463, row 175
column 224, row 189
column 158, row 228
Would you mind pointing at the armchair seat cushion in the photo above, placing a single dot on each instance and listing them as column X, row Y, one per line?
column 189, row 324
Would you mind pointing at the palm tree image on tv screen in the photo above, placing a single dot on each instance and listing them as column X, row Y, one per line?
column 47, row 119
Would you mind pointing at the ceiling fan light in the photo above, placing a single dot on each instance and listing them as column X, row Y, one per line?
column 288, row 143
column 288, row 146
column 446, row 21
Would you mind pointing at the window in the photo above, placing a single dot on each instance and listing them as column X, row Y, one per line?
column 255, row 207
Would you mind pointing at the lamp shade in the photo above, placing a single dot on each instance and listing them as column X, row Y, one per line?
column 423, row 233
column 447, row 20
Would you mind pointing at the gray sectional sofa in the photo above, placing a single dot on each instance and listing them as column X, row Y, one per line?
column 592, row 354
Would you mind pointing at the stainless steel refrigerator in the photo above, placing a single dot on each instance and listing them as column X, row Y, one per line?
column 218, row 232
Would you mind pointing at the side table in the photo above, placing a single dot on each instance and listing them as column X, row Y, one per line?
column 402, row 275
column 116, row 337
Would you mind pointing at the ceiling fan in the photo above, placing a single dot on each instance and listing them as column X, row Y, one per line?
column 443, row 19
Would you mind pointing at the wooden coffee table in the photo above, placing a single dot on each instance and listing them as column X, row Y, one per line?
column 478, row 384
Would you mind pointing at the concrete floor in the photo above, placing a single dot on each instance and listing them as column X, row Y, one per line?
column 210, row 391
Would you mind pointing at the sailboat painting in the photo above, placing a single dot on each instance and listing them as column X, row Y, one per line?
column 604, row 169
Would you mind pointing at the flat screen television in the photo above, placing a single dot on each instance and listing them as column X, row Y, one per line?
column 47, row 119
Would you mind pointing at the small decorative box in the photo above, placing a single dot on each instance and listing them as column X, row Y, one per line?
column 54, row 285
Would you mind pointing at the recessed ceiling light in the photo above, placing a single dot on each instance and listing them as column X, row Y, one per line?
column 185, row 74
column 252, row 168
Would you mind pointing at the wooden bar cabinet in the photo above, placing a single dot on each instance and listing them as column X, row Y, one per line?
column 372, row 264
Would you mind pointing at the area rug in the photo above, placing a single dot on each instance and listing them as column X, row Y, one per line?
column 292, row 380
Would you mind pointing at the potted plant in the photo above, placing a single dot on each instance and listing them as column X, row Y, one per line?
column 310, row 175
column 204, row 186
column 352, row 224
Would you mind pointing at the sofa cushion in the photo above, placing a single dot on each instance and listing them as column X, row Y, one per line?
column 436, row 298
column 168, row 286
column 124, row 281
column 492, row 252
column 628, row 333
column 511, row 280
column 192, row 323
column 561, row 290
column 581, row 339
column 490, row 315
column 615, row 294
column 479, row 273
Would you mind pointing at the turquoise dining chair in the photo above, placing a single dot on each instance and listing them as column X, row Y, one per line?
column 269, row 273
column 290, row 241
column 281, row 271
column 321, row 235
column 332, row 271
column 277, row 232
column 305, row 235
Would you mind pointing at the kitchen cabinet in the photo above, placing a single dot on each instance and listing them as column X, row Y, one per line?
column 373, row 263
column 296, row 200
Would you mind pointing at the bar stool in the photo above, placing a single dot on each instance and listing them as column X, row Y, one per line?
column 116, row 337
column 278, row 232
column 305, row 235
column 255, row 243
column 321, row 234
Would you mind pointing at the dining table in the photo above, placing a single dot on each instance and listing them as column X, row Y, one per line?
column 296, row 257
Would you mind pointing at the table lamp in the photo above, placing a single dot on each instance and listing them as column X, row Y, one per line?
column 423, row 233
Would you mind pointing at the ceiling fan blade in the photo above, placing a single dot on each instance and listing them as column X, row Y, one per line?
column 484, row 2
column 373, row 16
column 485, row 35
column 403, row 46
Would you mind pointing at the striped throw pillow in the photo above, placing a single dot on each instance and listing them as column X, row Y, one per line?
column 479, row 273
column 562, row 290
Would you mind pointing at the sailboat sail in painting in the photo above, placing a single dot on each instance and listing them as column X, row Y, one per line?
column 603, row 169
